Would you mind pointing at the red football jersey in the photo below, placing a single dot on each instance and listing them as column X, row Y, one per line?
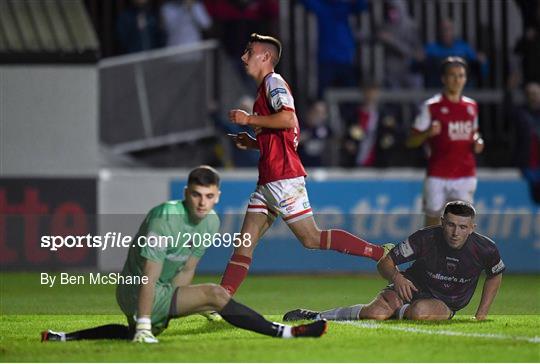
column 451, row 152
column 279, row 158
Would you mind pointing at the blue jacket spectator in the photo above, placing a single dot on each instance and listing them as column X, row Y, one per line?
column 336, row 41
column 448, row 46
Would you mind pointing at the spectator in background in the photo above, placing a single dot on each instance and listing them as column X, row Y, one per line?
column 185, row 21
column 373, row 135
column 316, row 133
column 528, row 47
column 138, row 28
column 527, row 154
column 234, row 19
column 448, row 46
column 336, row 41
column 401, row 40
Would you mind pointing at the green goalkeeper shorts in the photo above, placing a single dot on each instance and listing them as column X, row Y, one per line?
column 128, row 298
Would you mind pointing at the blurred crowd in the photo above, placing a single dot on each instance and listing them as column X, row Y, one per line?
column 372, row 133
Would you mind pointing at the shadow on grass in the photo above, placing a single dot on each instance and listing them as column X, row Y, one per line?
column 207, row 327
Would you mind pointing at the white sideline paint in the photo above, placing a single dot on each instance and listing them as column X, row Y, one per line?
column 372, row 325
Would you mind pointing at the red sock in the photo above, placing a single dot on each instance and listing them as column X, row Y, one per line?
column 235, row 273
column 347, row 243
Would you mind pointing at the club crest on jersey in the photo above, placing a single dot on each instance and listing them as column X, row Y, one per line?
column 451, row 267
column 444, row 110
column 470, row 110
column 287, row 201
column 451, row 264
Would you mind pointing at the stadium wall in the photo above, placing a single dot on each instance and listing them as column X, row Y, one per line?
column 46, row 110
column 380, row 206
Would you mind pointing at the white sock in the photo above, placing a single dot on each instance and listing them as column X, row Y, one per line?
column 402, row 310
column 287, row 332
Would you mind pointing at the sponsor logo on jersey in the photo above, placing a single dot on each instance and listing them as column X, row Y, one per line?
column 306, row 204
column 460, row 130
column 498, row 267
column 442, row 277
column 287, row 201
column 279, row 90
column 405, row 249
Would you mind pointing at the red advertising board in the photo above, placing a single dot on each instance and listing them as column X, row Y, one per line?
column 31, row 208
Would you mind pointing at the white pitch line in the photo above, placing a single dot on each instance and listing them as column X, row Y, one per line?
column 372, row 325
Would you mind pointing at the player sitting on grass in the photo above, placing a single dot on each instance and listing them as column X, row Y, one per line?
column 448, row 260
column 170, row 269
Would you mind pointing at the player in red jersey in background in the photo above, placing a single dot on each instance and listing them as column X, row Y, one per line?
column 448, row 122
column 281, row 189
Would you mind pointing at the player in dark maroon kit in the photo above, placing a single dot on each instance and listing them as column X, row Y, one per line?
column 448, row 123
column 281, row 189
column 448, row 260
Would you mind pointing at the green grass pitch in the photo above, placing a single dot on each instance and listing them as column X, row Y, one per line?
column 512, row 333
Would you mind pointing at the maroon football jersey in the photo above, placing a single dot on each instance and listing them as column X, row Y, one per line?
column 450, row 275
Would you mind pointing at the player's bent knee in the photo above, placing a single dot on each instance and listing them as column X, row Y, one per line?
column 218, row 296
column 423, row 311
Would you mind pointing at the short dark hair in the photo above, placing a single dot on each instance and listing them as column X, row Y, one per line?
column 254, row 37
column 449, row 62
column 203, row 176
column 460, row 208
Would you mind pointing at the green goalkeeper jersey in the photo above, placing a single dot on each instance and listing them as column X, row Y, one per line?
column 168, row 236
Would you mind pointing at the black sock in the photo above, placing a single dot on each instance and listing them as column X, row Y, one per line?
column 112, row 331
column 245, row 318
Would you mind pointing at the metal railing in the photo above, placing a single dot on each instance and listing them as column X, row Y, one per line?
column 157, row 98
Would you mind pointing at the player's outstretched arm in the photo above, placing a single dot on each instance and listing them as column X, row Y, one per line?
column 489, row 291
column 283, row 119
column 143, row 331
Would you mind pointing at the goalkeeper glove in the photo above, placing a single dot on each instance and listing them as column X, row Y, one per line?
column 143, row 333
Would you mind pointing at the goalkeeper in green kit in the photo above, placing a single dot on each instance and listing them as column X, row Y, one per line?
column 170, row 267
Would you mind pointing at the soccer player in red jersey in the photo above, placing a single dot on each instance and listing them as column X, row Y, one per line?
column 281, row 189
column 448, row 122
